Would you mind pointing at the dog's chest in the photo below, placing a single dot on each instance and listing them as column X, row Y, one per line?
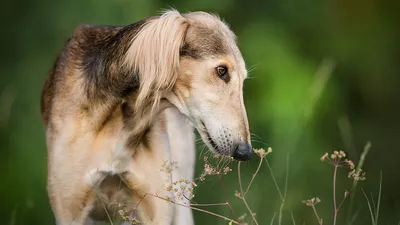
column 113, row 156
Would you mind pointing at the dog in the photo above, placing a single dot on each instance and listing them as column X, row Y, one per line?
column 122, row 101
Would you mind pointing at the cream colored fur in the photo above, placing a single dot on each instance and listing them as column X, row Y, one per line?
column 86, row 147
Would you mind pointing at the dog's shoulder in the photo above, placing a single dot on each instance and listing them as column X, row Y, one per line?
column 78, row 51
column 90, row 61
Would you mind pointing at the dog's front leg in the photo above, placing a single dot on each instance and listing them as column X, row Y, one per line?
column 72, row 207
column 183, row 154
column 152, row 206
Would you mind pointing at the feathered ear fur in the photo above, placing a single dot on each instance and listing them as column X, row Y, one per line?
column 154, row 55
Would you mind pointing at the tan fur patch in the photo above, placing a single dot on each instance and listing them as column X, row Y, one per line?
column 104, row 102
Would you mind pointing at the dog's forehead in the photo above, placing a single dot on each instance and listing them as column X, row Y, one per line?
column 209, row 37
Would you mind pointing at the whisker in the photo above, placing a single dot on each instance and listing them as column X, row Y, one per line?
column 209, row 153
column 261, row 142
column 199, row 140
column 255, row 135
column 251, row 68
column 219, row 163
column 224, row 162
column 202, row 150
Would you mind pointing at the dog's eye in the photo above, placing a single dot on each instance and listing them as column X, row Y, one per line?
column 222, row 72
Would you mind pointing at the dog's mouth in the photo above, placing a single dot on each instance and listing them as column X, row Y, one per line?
column 208, row 137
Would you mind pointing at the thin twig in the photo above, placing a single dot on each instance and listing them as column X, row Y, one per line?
column 273, row 178
column 240, row 179
column 197, row 209
column 251, row 213
column 334, row 195
column 316, row 215
column 344, row 198
column 226, row 197
column 243, row 198
column 252, row 178
column 211, row 204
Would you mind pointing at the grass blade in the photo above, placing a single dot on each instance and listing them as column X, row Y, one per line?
column 273, row 219
column 364, row 154
column 294, row 222
column 379, row 201
column 370, row 208
column 14, row 216
column 285, row 190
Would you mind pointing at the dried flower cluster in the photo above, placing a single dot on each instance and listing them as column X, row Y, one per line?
column 262, row 153
column 357, row 174
column 182, row 189
column 124, row 213
column 337, row 159
column 213, row 170
column 335, row 156
column 312, row 201
column 168, row 166
column 237, row 194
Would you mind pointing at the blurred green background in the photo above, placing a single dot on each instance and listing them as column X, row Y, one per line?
column 324, row 77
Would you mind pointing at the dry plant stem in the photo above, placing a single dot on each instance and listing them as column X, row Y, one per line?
column 240, row 180
column 285, row 191
column 341, row 203
column 252, row 178
column 274, row 179
column 282, row 197
column 211, row 204
column 197, row 209
column 316, row 215
column 334, row 195
column 226, row 197
column 243, row 198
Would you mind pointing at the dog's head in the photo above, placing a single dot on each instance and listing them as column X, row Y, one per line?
column 201, row 72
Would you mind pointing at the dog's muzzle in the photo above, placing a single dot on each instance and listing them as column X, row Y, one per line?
column 242, row 152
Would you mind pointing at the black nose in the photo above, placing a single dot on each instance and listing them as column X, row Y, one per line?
column 242, row 152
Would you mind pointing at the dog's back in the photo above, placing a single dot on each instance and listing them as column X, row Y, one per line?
column 76, row 64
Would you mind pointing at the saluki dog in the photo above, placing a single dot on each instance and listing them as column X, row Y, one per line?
column 121, row 101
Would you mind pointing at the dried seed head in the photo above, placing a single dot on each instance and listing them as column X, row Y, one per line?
column 312, row 202
column 324, row 156
column 349, row 163
column 357, row 175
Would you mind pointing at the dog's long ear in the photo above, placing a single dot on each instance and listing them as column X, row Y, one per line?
column 154, row 54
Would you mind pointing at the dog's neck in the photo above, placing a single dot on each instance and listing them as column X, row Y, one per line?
column 138, row 123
